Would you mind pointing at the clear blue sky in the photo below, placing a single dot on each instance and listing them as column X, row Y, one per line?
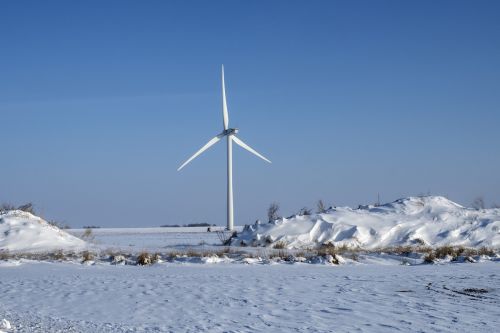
column 101, row 101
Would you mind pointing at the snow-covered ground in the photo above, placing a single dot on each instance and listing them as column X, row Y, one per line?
column 431, row 220
column 62, row 297
column 150, row 239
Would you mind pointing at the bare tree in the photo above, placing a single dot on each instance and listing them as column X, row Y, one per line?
column 5, row 207
column 478, row 203
column 272, row 212
column 320, row 207
column 88, row 234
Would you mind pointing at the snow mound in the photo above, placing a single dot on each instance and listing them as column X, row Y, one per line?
column 22, row 231
column 431, row 220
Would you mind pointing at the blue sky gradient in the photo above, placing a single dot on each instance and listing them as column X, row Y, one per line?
column 101, row 101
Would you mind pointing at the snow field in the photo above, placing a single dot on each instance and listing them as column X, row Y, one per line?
column 256, row 298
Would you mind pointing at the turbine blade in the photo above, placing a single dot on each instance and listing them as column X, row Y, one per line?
column 210, row 143
column 247, row 147
column 225, row 116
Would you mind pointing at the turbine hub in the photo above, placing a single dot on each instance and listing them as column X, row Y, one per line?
column 231, row 131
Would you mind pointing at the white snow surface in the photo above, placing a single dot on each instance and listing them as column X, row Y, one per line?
column 430, row 220
column 22, row 231
column 153, row 239
column 63, row 297
column 214, row 294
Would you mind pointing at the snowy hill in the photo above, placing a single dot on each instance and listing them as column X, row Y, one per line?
column 431, row 220
column 22, row 231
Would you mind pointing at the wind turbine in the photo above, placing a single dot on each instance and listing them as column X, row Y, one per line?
column 230, row 134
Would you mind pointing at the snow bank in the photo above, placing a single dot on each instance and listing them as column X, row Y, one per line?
column 22, row 231
column 431, row 220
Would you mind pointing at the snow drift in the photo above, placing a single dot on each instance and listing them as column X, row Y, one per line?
column 22, row 231
column 431, row 220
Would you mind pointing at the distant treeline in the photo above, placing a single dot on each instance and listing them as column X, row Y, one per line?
column 187, row 225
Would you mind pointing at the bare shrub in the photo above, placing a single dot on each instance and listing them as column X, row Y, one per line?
column 305, row 211
column 486, row 251
column 88, row 234
column 225, row 236
column 478, row 203
column 272, row 212
column 320, row 207
column 5, row 207
column 27, row 207
column 280, row 245
column 58, row 224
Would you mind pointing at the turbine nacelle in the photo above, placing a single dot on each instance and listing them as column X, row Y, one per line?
column 230, row 131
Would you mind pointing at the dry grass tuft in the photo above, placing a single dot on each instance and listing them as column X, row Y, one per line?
column 486, row 251
column 87, row 256
column 446, row 250
column 59, row 255
column 144, row 258
column 430, row 258
column 5, row 255
column 279, row 254
column 280, row 245
column 326, row 249
column 404, row 250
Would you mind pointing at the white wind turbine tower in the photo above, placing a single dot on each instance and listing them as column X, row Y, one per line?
column 230, row 134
